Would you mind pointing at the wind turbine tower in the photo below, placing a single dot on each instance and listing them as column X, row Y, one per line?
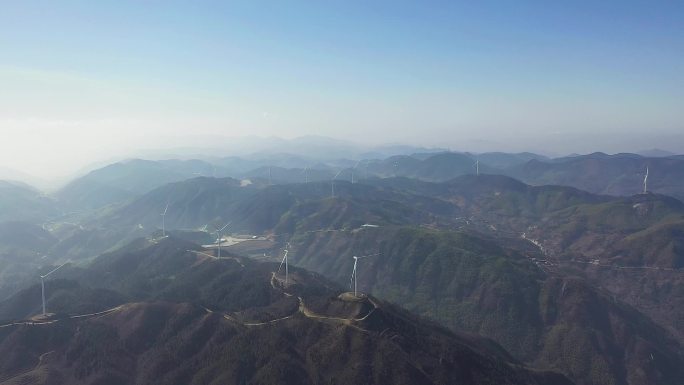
column 42, row 283
column 218, row 238
column 332, row 183
column 646, row 181
column 477, row 167
column 287, row 246
column 353, row 169
column 306, row 174
column 163, row 215
column 354, row 274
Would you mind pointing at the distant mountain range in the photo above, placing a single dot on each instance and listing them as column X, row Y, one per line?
column 16, row 176
column 564, row 262
column 311, row 147
column 620, row 174
column 19, row 202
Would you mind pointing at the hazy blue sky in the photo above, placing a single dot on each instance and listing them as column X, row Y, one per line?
column 82, row 80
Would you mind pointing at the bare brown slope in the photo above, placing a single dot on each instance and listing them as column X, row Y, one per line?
column 302, row 334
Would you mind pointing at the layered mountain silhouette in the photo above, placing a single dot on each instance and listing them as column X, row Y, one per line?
column 620, row 174
column 573, row 270
column 19, row 202
column 599, row 173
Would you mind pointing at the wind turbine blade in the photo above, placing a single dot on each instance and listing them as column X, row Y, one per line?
column 369, row 255
column 338, row 174
column 57, row 268
column 227, row 224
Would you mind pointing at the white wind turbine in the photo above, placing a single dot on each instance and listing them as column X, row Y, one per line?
column 163, row 215
column 646, row 180
column 42, row 283
column 477, row 166
column 218, row 238
column 353, row 169
column 354, row 274
column 306, row 174
column 332, row 183
column 287, row 246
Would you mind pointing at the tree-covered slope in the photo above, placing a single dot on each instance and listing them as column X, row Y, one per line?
column 469, row 283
